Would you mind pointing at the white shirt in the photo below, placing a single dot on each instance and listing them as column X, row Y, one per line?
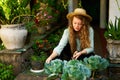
column 65, row 39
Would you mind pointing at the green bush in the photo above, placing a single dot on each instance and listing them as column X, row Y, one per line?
column 6, row 72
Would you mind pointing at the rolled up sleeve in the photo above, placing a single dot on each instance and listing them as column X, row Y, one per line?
column 64, row 40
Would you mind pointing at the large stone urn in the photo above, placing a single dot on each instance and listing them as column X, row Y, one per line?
column 13, row 36
column 113, row 47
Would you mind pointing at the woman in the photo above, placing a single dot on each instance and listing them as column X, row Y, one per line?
column 79, row 35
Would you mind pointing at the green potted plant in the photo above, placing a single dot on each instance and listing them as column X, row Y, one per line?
column 113, row 30
column 14, row 11
column 14, row 15
column 41, row 49
column 37, row 61
column 112, row 35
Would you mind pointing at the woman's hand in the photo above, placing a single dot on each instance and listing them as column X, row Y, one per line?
column 52, row 56
column 48, row 60
column 76, row 55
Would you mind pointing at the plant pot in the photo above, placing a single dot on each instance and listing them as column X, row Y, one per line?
column 13, row 36
column 113, row 47
column 36, row 65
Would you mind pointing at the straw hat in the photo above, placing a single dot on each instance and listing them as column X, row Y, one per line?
column 79, row 11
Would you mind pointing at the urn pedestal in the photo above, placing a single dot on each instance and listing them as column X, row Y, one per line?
column 20, row 59
column 113, row 47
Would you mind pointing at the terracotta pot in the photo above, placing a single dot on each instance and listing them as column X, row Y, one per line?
column 13, row 36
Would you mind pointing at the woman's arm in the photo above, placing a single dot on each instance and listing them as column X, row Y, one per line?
column 86, row 50
column 52, row 56
column 58, row 49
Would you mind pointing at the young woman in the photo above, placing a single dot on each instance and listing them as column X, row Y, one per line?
column 79, row 35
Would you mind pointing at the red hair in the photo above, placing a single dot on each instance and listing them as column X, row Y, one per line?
column 83, row 34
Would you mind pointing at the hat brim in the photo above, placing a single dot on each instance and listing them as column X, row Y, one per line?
column 70, row 15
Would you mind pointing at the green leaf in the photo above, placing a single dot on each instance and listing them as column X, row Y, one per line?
column 55, row 66
column 96, row 63
column 113, row 30
column 73, row 67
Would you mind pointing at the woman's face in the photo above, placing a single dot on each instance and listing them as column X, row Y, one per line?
column 77, row 23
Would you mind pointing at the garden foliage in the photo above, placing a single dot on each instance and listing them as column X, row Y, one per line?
column 96, row 62
column 76, row 69
column 6, row 72
column 113, row 30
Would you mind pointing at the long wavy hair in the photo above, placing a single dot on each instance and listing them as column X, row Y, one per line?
column 83, row 34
